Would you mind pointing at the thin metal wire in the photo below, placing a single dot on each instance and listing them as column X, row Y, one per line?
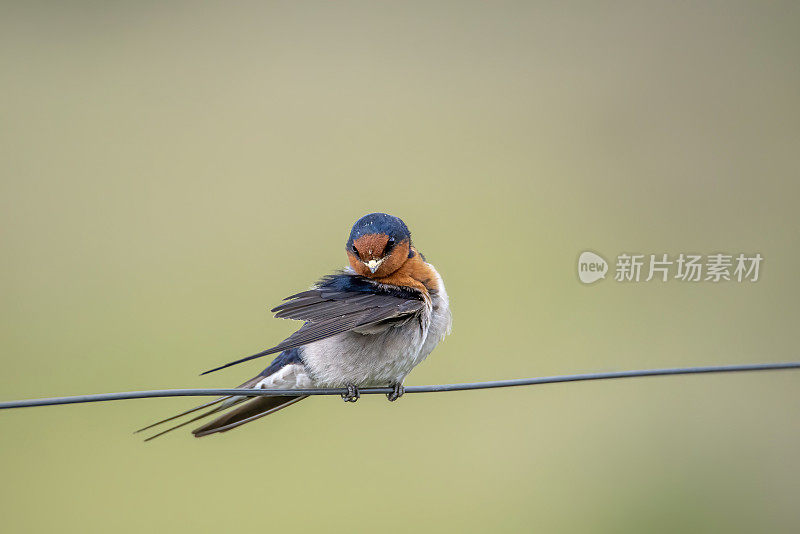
column 409, row 389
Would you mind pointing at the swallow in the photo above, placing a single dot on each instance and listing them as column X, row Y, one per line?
column 368, row 325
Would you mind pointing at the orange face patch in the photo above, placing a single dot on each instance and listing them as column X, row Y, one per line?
column 371, row 246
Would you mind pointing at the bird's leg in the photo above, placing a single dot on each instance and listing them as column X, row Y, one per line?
column 352, row 394
column 397, row 392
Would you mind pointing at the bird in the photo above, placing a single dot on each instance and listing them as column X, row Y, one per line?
column 367, row 325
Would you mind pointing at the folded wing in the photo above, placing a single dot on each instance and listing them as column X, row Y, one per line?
column 337, row 304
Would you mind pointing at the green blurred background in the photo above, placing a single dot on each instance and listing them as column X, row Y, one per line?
column 170, row 171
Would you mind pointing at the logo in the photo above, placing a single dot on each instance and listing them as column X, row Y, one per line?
column 633, row 267
column 591, row 267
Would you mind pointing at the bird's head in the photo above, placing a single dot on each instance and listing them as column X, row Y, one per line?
column 378, row 245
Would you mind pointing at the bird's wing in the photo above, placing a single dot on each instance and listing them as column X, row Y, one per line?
column 337, row 304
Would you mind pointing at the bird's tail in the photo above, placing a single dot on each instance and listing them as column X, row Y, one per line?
column 249, row 409
column 247, row 412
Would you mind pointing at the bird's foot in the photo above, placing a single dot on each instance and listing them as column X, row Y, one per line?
column 397, row 392
column 352, row 394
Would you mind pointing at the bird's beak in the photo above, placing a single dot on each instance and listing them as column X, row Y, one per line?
column 373, row 265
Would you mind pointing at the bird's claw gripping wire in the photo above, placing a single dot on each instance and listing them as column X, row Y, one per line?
column 397, row 392
column 352, row 394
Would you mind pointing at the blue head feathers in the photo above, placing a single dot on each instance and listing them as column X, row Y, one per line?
column 379, row 223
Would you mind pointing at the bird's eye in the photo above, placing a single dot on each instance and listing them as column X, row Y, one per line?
column 354, row 249
column 389, row 245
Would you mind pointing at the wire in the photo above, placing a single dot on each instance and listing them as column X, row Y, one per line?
column 409, row 389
